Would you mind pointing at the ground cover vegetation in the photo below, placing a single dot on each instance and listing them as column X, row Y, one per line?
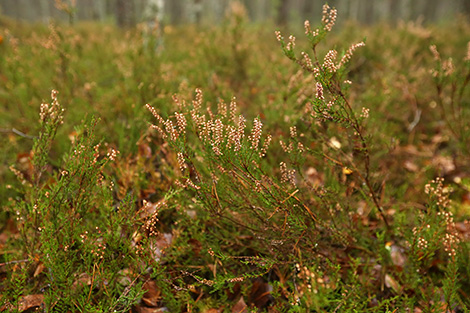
column 234, row 168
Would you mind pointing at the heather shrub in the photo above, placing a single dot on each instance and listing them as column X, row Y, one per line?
column 451, row 81
column 74, row 239
column 328, row 238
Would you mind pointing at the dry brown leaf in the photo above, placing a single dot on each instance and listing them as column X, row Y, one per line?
column 397, row 256
column 145, row 150
column 125, row 277
column 410, row 166
column 439, row 138
column 83, row 280
column 30, row 301
column 39, row 269
column 260, row 293
column 159, row 244
column 196, row 246
column 444, row 163
column 152, row 295
column 315, row 178
column 240, row 307
column 463, row 228
column 390, row 282
column 24, row 163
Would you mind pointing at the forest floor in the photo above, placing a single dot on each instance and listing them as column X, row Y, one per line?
column 231, row 169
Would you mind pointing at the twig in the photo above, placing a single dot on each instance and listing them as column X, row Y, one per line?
column 14, row 262
column 416, row 120
column 126, row 291
column 16, row 132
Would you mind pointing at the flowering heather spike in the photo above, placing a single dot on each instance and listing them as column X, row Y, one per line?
column 329, row 61
column 43, row 111
column 316, row 72
column 233, row 109
column 197, row 119
column 222, row 108
column 171, row 129
column 287, row 149
column 255, row 133
column 291, row 44
column 181, row 122
column 181, row 162
column 197, row 102
column 204, row 130
column 365, row 112
column 258, row 186
column 319, row 92
column 52, row 112
column 278, row 35
column 349, row 53
column 177, row 101
column 434, row 52
column 329, row 17
column 18, row 174
column 112, row 154
column 266, row 144
column 283, row 168
column 54, row 94
column 192, row 185
column 308, row 61
column 240, row 132
column 209, row 111
column 293, row 132
column 324, row 18
column 448, row 67
column 307, row 27
column 96, row 154
column 155, row 114
column 437, row 189
column 180, row 184
column 217, row 133
column 287, row 175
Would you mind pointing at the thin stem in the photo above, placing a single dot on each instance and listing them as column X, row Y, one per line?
column 358, row 130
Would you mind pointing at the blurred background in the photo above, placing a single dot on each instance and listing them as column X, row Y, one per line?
column 127, row 13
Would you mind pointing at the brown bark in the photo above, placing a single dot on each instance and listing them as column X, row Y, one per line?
column 466, row 7
column 283, row 13
column 125, row 13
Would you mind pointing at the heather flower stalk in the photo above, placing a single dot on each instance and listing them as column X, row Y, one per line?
column 347, row 56
column 329, row 61
column 331, row 103
column 51, row 117
column 222, row 134
column 329, row 17
column 451, row 81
